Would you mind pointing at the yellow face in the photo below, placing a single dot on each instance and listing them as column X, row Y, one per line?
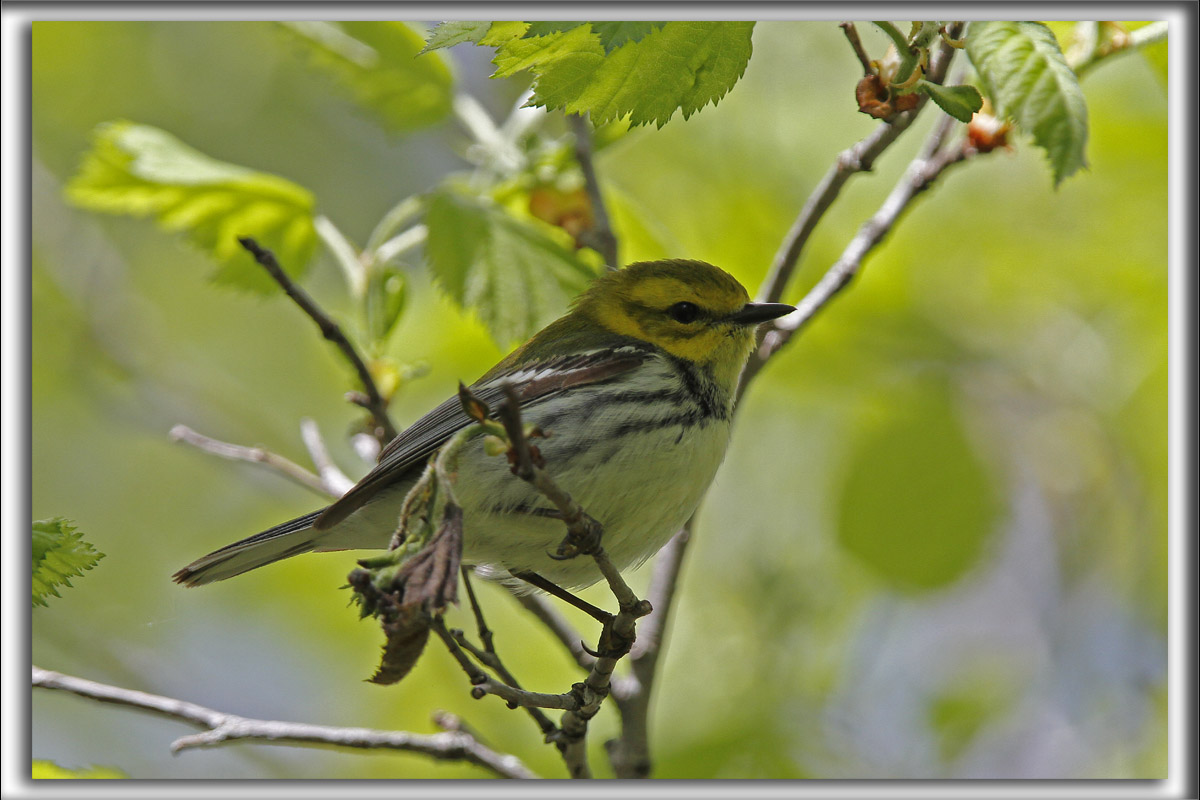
column 684, row 307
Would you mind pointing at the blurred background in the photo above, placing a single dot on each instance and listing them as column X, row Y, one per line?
column 937, row 548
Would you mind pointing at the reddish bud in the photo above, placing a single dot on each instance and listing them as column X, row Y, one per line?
column 569, row 210
column 877, row 100
column 985, row 133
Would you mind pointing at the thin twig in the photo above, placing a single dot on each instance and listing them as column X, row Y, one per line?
column 254, row 455
column 331, row 476
column 583, row 532
column 618, row 636
column 330, row 330
column 490, row 658
column 857, row 45
column 483, row 685
column 920, row 174
column 859, row 158
column 223, row 728
column 485, row 633
column 600, row 236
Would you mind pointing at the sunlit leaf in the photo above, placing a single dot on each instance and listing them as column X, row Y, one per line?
column 917, row 504
column 611, row 34
column 43, row 770
column 682, row 66
column 386, row 293
column 448, row 34
column 1024, row 73
column 508, row 270
column 377, row 62
column 140, row 170
column 59, row 554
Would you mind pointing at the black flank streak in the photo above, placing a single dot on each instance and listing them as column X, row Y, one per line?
column 701, row 389
column 684, row 420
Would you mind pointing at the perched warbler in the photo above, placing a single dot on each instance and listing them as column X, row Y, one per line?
column 634, row 389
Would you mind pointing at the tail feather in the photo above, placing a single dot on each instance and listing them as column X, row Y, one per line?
column 283, row 541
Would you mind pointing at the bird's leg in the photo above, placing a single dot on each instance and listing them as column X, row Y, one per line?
column 533, row 579
column 612, row 644
column 583, row 537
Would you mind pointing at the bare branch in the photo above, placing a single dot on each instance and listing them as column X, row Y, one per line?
column 330, row 330
column 629, row 754
column 490, row 658
column 600, row 237
column 661, row 594
column 332, row 478
column 859, row 158
column 583, row 532
column 254, row 455
column 857, row 45
column 583, row 538
column 483, row 685
column 920, row 174
column 223, row 728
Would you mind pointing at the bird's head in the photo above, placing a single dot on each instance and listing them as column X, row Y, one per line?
column 690, row 309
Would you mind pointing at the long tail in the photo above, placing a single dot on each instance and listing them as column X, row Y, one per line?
column 283, row 541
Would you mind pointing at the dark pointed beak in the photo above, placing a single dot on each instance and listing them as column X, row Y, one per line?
column 754, row 313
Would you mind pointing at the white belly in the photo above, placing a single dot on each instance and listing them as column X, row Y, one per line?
column 641, row 498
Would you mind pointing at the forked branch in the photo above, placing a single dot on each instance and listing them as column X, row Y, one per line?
column 221, row 728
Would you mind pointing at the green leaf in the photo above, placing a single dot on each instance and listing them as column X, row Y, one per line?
column 917, row 505
column 960, row 102
column 612, row 34
column 140, row 170
column 59, row 553
column 386, row 293
column 448, row 34
column 1024, row 73
column 501, row 33
column 510, row 271
column 43, row 770
column 682, row 66
column 377, row 62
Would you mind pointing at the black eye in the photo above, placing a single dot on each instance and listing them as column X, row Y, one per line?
column 684, row 312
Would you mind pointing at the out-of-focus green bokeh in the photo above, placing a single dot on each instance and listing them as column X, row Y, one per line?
column 937, row 547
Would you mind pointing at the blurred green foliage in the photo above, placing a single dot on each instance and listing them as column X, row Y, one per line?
column 914, row 471
column 141, row 170
column 48, row 769
column 377, row 63
column 937, row 547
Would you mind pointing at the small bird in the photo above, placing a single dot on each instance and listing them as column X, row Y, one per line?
column 634, row 389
